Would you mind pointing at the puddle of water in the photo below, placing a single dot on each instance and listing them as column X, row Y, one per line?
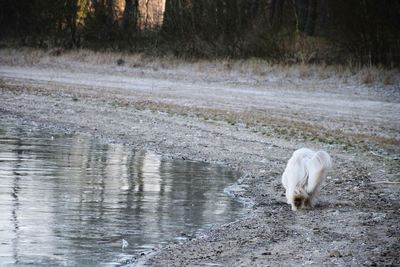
column 69, row 200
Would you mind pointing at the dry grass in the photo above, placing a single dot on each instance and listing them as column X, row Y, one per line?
column 378, row 75
column 258, row 69
column 25, row 56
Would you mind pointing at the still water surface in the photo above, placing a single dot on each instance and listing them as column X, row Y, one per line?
column 69, row 200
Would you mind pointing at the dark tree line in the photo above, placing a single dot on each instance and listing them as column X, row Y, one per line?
column 365, row 31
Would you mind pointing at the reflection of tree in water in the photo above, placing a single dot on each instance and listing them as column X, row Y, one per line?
column 144, row 199
column 198, row 197
column 23, row 159
column 187, row 190
column 95, row 195
column 93, row 189
column 15, row 196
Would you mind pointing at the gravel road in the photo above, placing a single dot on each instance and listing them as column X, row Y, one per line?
column 252, row 124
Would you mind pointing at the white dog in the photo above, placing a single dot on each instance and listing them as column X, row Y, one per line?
column 304, row 174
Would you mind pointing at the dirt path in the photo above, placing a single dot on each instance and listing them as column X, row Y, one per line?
column 253, row 125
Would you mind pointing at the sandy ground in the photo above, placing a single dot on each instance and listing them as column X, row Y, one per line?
column 252, row 123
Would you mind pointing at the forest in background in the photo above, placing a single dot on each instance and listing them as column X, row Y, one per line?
column 355, row 32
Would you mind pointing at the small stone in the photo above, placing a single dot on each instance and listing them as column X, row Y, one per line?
column 335, row 253
column 120, row 62
column 370, row 263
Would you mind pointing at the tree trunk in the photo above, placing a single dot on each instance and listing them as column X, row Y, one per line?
column 311, row 17
column 130, row 15
column 276, row 11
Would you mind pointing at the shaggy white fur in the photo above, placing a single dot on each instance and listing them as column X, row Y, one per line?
column 304, row 174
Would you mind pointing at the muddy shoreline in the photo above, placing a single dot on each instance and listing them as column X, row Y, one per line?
column 242, row 125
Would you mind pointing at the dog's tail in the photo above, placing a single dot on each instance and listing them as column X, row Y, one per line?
column 317, row 168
